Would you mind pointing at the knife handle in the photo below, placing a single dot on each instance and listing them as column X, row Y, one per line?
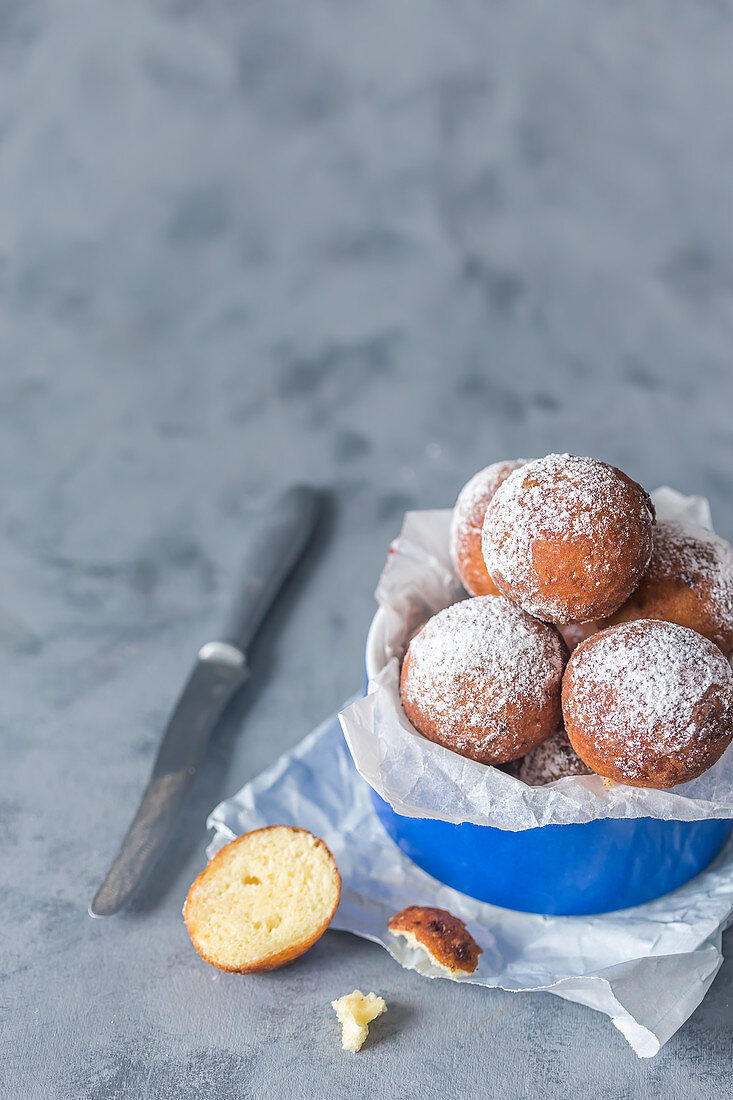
column 274, row 547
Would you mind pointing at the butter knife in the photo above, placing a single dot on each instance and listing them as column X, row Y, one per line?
column 274, row 547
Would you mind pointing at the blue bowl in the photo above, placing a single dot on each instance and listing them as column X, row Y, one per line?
column 566, row 870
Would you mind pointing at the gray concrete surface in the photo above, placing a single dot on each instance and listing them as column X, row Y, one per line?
column 370, row 244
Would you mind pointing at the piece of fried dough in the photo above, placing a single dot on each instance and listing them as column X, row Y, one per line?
column 263, row 900
column 444, row 937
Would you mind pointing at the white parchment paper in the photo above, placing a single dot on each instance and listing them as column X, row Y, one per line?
column 421, row 779
column 647, row 968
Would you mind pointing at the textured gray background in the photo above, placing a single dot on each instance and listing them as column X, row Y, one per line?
column 376, row 245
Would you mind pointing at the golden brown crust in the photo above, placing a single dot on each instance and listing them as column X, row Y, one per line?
column 483, row 679
column 568, row 538
column 445, row 937
column 689, row 581
column 468, row 522
column 648, row 703
column 269, row 962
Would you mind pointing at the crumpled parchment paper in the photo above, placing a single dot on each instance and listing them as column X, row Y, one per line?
column 647, row 968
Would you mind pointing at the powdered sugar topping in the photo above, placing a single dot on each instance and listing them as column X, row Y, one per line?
column 554, row 759
column 470, row 507
column 701, row 560
column 638, row 688
column 568, row 500
column 488, row 644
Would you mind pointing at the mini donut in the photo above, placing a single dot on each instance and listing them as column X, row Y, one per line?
column 467, row 525
column 648, row 703
column 483, row 678
column 689, row 581
column 554, row 759
column 568, row 538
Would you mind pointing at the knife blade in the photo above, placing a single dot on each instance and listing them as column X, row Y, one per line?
column 273, row 548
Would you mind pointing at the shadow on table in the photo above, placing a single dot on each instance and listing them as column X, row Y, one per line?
column 210, row 784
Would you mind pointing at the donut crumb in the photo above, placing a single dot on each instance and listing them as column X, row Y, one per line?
column 355, row 1011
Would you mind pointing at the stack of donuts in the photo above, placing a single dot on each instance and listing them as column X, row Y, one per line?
column 593, row 639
